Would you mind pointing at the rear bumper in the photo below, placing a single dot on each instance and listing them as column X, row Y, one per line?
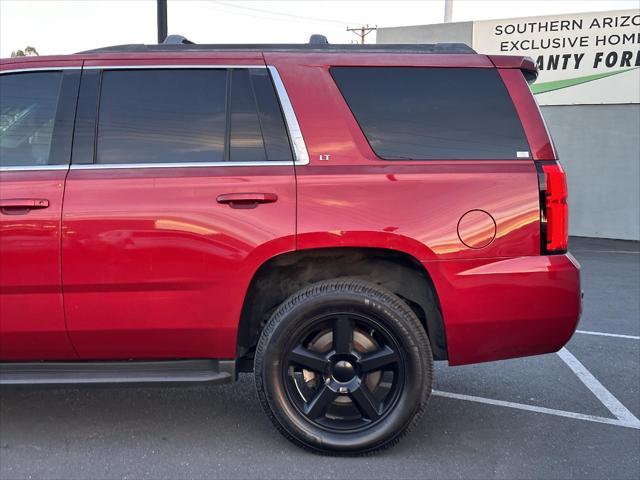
column 503, row 308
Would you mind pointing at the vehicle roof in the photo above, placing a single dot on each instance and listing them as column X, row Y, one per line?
column 190, row 49
column 438, row 54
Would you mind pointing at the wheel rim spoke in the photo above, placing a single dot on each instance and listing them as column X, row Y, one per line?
column 307, row 359
column 366, row 403
column 330, row 363
column 378, row 360
column 342, row 334
column 317, row 407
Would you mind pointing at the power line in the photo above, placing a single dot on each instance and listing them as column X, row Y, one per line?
column 222, row 8
column 281, row 14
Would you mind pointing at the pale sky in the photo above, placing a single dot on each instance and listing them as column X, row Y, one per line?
column 67, row 26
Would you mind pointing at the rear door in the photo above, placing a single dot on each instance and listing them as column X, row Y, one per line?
column 37, row 107
column 181, row 185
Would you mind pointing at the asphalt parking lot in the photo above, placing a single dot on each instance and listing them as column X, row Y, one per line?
column 567, row 415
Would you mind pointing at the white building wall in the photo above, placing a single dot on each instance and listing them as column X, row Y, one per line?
column 599, row 147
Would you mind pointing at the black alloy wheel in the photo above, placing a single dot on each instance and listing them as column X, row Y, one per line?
column 345, row 372
column 344, row 367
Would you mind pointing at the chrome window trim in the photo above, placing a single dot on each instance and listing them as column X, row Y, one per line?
column 18, row 168
column 166, row 67
column 105, row 166
column 291, row 121
column 39, row 69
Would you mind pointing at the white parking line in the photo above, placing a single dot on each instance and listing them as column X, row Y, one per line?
column 533, row 408
column 602, row 334
column 605, row 396
column 624, row 418
column 624, row 252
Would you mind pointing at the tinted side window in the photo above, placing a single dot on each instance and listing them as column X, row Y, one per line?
column 162, row 116
column 433, row 113
column 274, row 131
column 186, row 116
column 28, row 105
column 245, row 139
column 258, row 132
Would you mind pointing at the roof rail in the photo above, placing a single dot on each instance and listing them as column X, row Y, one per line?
column 317, row 39
column 177, row 40
column 317, row 43
column 441, row 48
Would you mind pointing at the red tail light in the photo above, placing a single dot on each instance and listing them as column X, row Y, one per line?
column 554, row 211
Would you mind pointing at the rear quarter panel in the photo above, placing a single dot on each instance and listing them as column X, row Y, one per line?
column 490, row 296
column 357, row 199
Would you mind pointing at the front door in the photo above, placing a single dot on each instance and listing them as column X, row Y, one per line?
column 187, row 187
column 36, row 120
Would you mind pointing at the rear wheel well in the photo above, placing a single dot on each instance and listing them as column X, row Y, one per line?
column 282, row 276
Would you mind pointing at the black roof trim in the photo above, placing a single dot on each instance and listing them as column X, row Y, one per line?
column 444, row 48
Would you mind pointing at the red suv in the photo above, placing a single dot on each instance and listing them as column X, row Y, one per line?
column 332, row 218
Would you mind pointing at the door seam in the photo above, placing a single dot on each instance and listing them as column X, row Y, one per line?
column 60, row 241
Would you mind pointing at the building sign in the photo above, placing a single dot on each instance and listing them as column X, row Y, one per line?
column 585, row 58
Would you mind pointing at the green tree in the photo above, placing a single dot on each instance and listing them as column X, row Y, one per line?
column 27, row 52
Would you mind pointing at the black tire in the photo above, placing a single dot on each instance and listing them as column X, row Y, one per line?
column 354, row 395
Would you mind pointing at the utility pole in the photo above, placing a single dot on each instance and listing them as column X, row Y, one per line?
column 448, row 10
column 162, row 20
column 362, row 31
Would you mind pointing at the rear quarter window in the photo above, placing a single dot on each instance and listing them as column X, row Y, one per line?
column 424, row 113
